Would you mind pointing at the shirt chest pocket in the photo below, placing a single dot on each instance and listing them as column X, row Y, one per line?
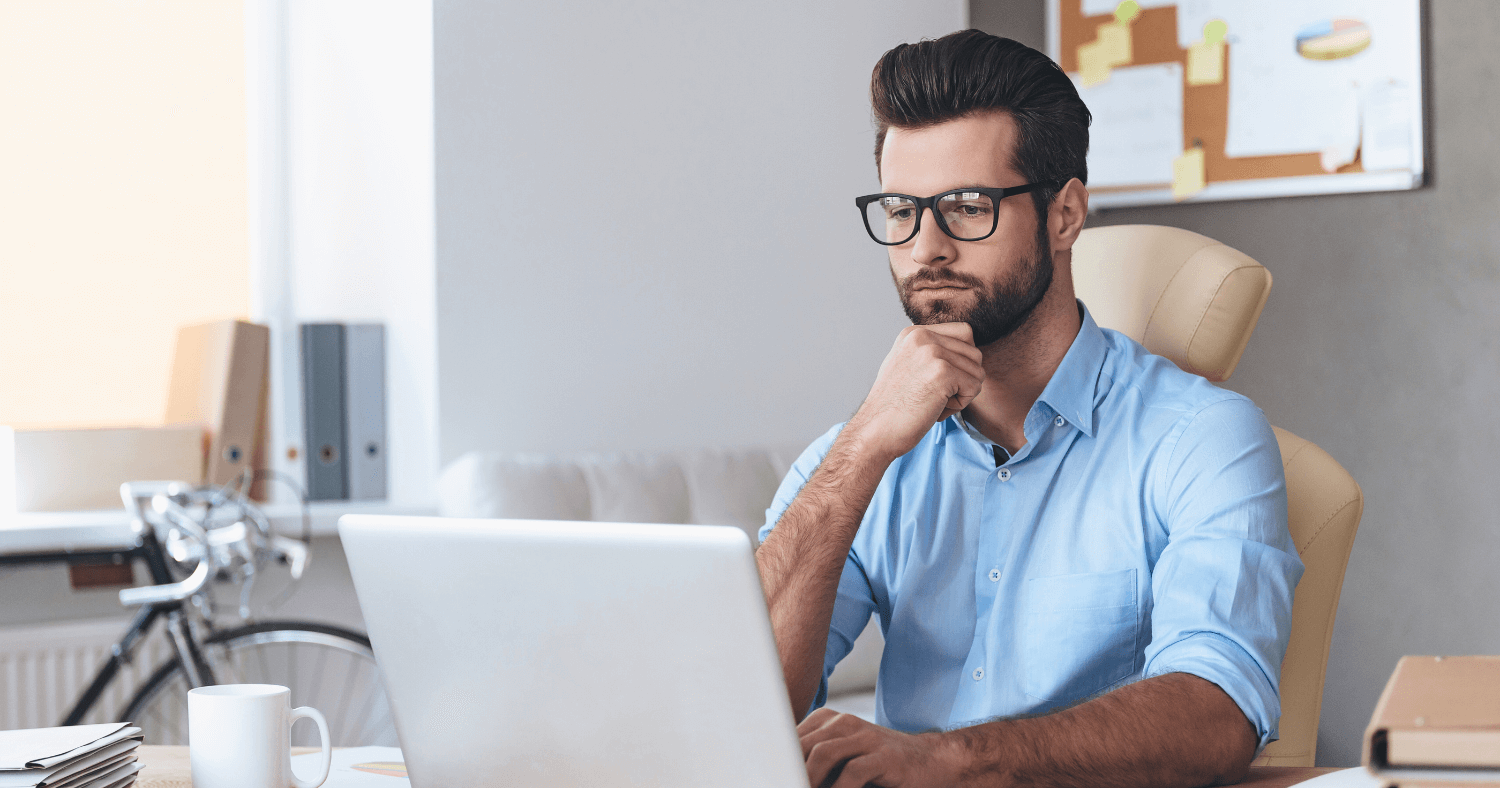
column 1077, row 633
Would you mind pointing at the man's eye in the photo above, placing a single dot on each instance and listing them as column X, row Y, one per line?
column 899, row 214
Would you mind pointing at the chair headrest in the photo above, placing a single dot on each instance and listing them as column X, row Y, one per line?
column 1183, row 295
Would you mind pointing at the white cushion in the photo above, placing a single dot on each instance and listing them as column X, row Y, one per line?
column 729, row 487
column 635, row 488
column 526, row 486
column 782, row 458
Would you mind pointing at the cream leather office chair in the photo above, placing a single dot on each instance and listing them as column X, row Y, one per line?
column 1196, row 301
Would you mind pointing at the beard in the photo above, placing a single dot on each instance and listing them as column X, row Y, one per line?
column 999, row 307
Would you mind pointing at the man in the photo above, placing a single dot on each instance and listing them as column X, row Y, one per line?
column 1078, row 552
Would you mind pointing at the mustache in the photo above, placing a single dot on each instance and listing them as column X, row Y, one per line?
column 927, row 277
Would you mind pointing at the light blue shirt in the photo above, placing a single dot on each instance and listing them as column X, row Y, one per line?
column 1140, row 531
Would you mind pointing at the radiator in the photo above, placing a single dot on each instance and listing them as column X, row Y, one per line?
column 45, row 668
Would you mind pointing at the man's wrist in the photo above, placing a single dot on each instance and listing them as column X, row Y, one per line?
column 954, row 756
column 863, row 444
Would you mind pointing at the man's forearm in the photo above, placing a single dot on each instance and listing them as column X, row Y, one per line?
column 802, row 559
column 1172, row 730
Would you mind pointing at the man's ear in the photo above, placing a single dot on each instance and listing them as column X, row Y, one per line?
column 1065, row 217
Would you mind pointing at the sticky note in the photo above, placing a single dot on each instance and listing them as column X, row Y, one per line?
column 1114, row 43
column 1205, row 63
column 1127, row 11
column 1093, row 67
column 1187, row 174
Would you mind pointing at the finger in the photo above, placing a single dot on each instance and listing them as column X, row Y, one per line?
column 860, row 771
column 924, row 334
column 968, row 390
column 827, row 756
column 957, row 378
column 829, row 726
column 816, row 719
column 813, row 738
column 970, row 366
column 961, row 331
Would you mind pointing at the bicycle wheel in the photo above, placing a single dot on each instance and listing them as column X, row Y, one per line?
column 329, row 668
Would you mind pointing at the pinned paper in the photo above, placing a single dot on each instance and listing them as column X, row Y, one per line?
column 1093, row 67
column 1385, row 139
column 1205, row 59
column 1111, row 47
column 1114, row 44
column 1342, row 145
column 1188, row 176
column 1137, row 130
column 1205, row 63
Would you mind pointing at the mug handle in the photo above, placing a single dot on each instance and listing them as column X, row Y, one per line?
column 316, row 716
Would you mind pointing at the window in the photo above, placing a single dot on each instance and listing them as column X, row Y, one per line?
column 122, row 200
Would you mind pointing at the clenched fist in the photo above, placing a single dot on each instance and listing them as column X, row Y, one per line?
column 931, row 373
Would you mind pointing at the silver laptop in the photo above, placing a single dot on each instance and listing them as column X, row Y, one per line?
column 548, row 653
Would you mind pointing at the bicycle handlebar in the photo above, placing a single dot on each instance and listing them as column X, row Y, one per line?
column 158, row 493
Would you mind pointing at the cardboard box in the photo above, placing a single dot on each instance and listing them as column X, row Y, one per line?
column 78, row 470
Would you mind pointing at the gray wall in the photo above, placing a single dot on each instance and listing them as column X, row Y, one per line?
column 645, row 224
column 1380, row 343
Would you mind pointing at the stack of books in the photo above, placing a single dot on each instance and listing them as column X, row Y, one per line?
column 77, row 756
column 1437, row 724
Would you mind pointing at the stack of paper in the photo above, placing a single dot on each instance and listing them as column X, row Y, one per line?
column 78, row 756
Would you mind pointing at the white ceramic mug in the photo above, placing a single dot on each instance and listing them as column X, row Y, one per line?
column 240, row 736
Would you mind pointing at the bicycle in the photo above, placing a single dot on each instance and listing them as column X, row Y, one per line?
column 187, row 536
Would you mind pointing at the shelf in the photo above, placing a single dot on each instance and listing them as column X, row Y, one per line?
column 109, row 529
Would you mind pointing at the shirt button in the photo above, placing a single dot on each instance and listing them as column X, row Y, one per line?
column 1060, row 421
column 995, row 575
column 1004, row 474
column 978, row 674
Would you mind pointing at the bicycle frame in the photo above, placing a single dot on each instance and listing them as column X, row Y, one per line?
column 148, row 550
column 199, row 673
column 165, row 596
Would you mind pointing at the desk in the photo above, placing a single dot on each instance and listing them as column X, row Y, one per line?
column 168, row 767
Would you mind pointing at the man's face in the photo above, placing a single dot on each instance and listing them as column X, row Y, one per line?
column 993, row 284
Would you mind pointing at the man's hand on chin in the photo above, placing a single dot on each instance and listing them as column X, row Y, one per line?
column 844, row 751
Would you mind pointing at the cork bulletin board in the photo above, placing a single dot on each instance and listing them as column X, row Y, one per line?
column 1202, row 100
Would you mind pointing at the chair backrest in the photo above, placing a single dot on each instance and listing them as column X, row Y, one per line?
column 1324, row 505
column 1183, row 295
column 1196, row 301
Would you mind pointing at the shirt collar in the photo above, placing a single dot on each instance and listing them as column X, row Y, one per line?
column 1070, row 392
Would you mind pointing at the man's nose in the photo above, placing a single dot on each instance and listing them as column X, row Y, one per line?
column 932, row 246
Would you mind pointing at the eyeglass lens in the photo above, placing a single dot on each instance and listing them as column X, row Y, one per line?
column 969, row 216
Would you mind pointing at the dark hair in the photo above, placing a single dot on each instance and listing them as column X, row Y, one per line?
column 919, row 85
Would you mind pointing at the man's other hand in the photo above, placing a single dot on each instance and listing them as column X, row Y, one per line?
column 931, row 373
column 844, row 751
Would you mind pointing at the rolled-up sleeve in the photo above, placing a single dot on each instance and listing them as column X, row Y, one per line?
column 855, row 602
column 1222, row 587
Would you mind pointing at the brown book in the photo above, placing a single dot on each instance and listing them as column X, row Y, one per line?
column 219, row 383
column 1437, row 713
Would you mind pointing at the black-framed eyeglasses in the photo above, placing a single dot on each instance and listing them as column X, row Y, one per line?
column 967, row 214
